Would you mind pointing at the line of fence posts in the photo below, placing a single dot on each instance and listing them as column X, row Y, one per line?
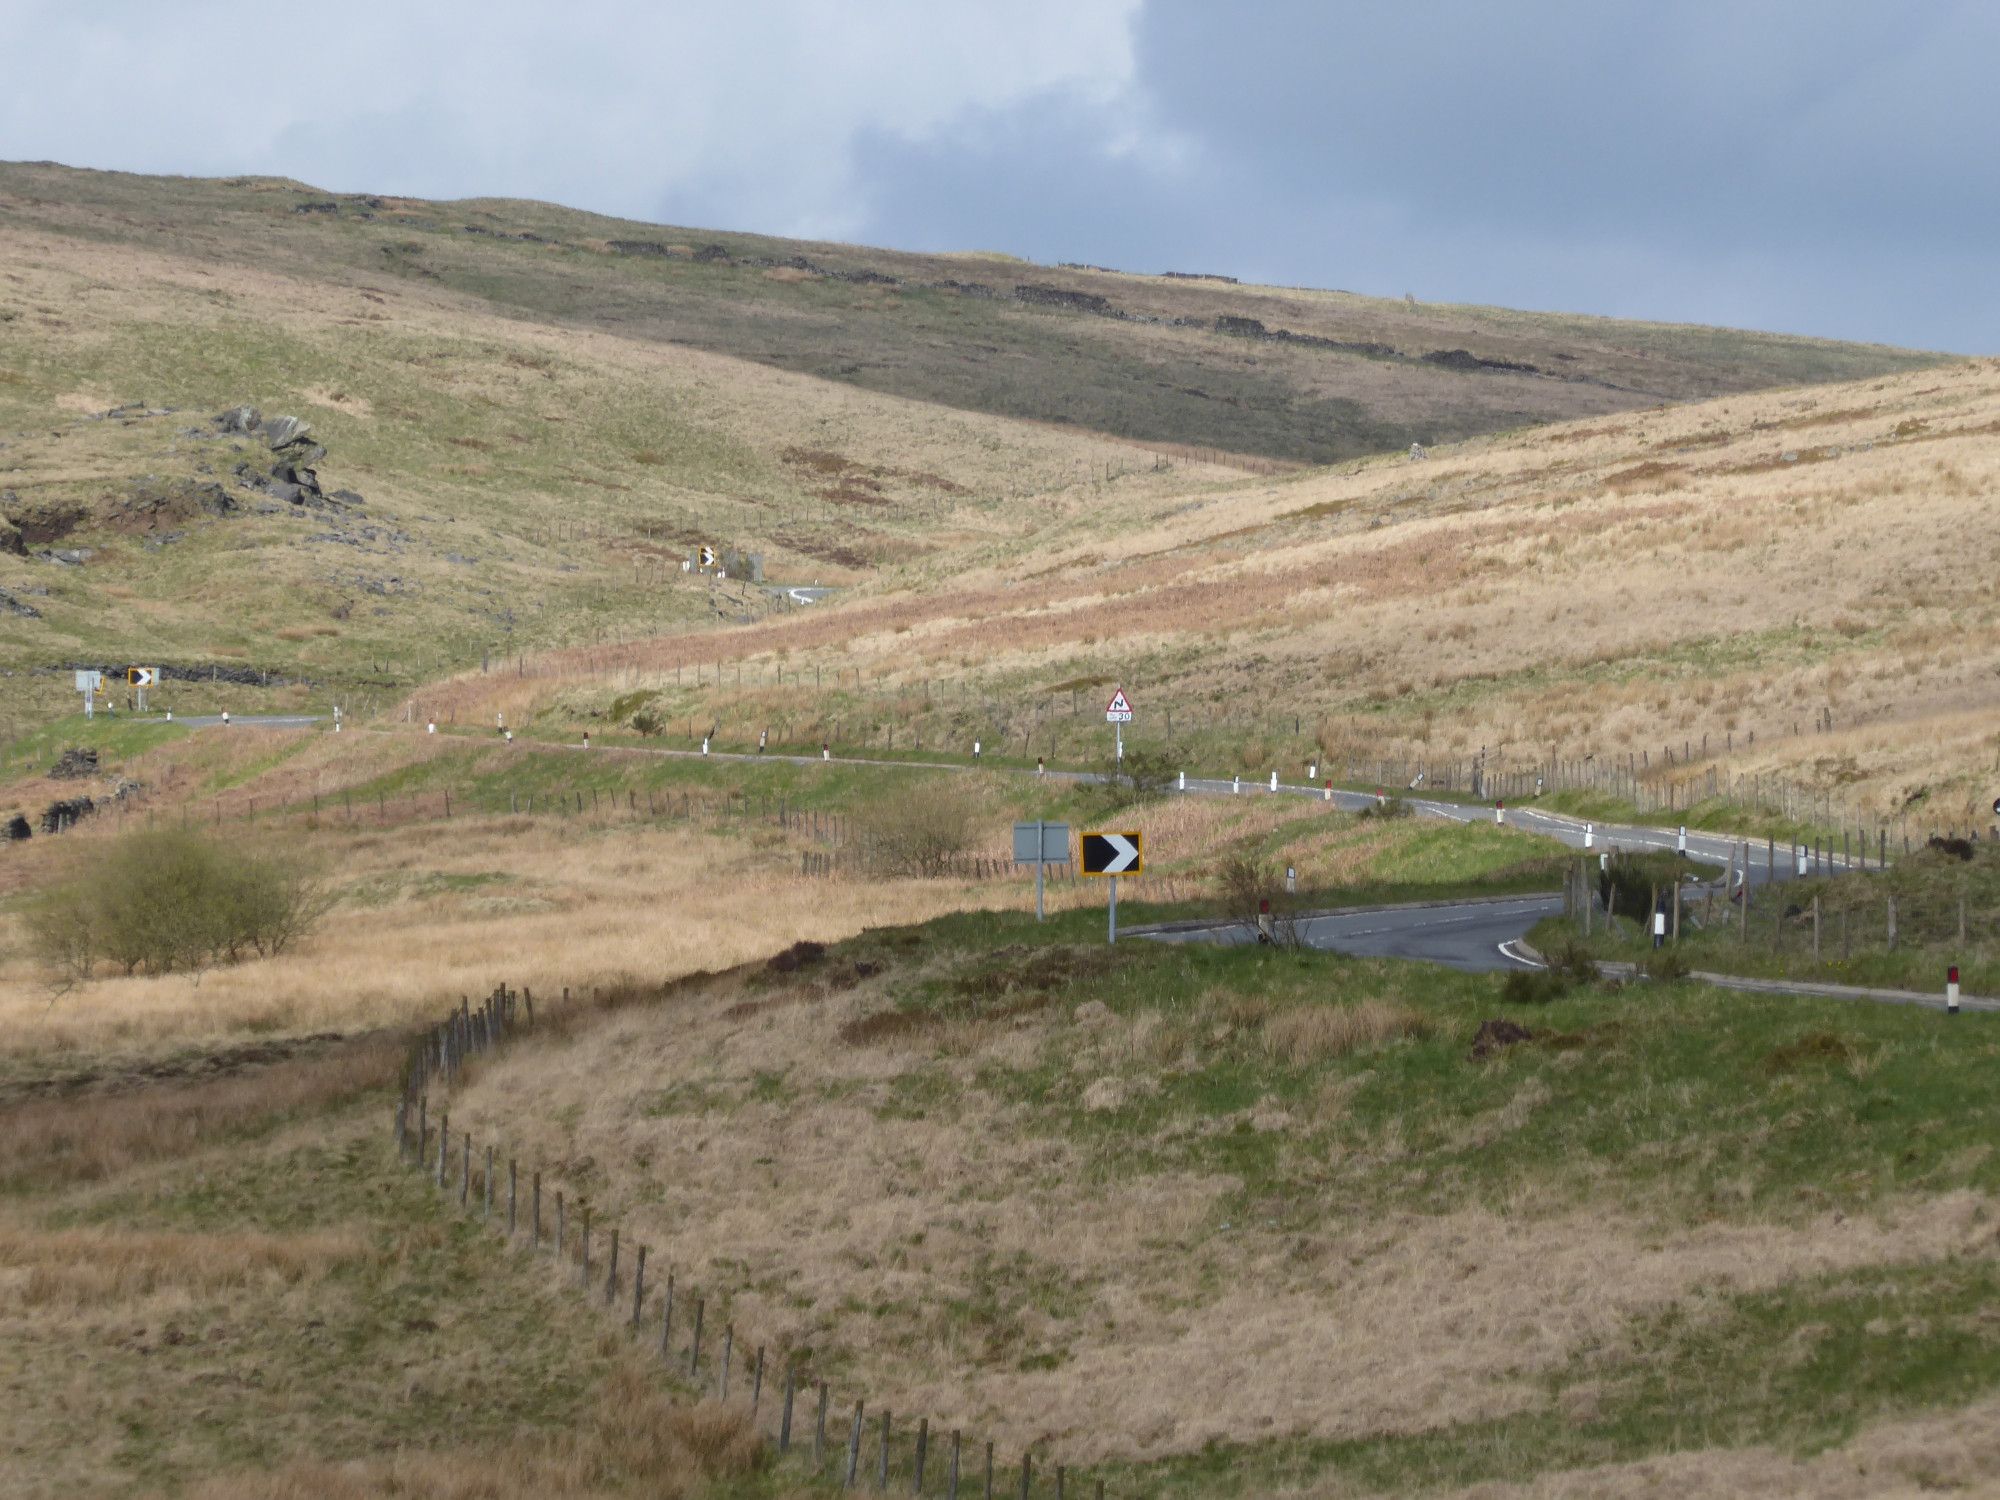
column 1763, row 907
column 1631, row 778
column 440, row 1056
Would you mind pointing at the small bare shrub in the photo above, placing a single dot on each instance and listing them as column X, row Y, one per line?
column 171, row 900
column 919, row 834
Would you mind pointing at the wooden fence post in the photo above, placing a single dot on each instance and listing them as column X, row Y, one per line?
column 638, row 1286
column 694, row 1345
column 785, row 1417
column 819, row 1431
column 854, row 1447
column 537, row 1209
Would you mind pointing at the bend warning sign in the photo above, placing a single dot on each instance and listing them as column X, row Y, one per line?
column 1114, row 853
column 1118, row 711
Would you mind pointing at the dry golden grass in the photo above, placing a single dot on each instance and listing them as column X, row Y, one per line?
column 85, row 1270
column 1306, row 1035
column 762, row 1152
column 105, row 1124
column 635, row 1439
column 1956, row 1453
column 1643, row 581
column 565, row 906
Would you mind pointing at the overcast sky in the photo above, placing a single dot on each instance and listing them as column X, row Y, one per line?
column 1820, row 166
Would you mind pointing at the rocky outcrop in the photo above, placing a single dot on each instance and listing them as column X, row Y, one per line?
column 18, row 828
column 292, row 476
column 1253, row 328
column 1038, row 294
column 74, row 764
column 9, row 605
column 66, row 813
column 1465, row 359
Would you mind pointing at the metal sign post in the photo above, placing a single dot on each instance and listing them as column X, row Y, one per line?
column 1112, row 855
column 1041, row 843
column 1118, row 713
column 87, row 683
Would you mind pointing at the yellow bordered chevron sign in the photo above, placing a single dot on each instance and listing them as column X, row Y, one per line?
column 1114, row 853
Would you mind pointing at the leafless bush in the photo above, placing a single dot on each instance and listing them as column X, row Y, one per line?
column 919, row 834
column 173, row 900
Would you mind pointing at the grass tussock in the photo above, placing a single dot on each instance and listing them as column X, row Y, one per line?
column 1311, row 1034
column 633, row 1439
column 86, row 1270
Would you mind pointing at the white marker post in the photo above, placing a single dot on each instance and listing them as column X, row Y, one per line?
column 1291, row 880
column 1951, row 991
column 1799, row 860
column 1312, row 771
column 431, row 727
column 1589, row 835
column 1274, row 781
column 1183, row 785
column 1659, row 929
column 1681, row 846
column 1500, row 813
column 1236, row 787
column 1328, row 797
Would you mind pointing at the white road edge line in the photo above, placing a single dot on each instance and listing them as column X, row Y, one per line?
column 1507, row 952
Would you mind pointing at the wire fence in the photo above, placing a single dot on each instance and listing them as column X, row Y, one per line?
column 779, row 1392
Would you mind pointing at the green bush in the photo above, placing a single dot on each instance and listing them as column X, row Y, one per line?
column 1394, row 807
column 1568, row 965
column 1534, row 986
column 174, row 900
column 1666, row 964
column 1141, row 776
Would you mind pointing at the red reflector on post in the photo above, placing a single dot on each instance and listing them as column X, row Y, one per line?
column 1952, row 976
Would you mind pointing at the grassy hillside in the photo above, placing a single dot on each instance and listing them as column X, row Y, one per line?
column 1227, row 1222
column 1790, row 584
column 1177, row 360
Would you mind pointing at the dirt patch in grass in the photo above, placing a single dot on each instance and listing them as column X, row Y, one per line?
column 1496, row 1036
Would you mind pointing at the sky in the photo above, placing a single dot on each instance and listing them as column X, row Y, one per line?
column 1812, row 166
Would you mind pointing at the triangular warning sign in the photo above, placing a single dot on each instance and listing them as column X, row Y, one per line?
column 1118, row 705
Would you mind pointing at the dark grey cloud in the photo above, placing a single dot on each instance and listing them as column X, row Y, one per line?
column 1829, row 167
column 1818, row 167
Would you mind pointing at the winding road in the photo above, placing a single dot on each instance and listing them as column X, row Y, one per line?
column 1481, row 934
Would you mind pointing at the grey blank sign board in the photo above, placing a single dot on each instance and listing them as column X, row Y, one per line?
column 1041, row 843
